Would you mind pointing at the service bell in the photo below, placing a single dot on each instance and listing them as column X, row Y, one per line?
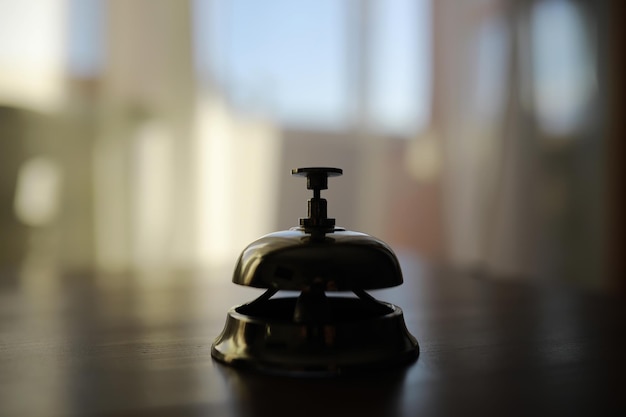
column 316, row 333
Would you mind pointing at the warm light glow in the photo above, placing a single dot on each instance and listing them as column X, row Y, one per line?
column 238, row 162
column 38, row 191
column 152, row 203
column 423, row 158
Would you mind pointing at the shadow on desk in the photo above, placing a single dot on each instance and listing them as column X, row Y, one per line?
column 263, row 395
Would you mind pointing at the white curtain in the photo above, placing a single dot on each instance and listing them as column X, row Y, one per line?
column 520, row 198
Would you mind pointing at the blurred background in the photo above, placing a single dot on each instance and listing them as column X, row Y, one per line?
column 152, row 134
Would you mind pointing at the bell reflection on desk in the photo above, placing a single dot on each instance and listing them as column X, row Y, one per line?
column 316, row 334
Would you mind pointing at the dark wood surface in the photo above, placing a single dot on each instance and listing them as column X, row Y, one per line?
column 138, row 345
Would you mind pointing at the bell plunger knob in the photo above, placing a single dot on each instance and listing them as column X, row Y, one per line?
column 317, row 180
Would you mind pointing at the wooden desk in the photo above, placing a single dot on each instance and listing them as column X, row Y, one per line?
column 138, row 345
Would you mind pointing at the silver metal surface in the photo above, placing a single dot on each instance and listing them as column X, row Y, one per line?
column 263, row 338
column 343, row 260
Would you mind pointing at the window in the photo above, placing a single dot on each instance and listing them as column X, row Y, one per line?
column 85, row 40
column 562, row 66
column 296, row 61
column 400, row 63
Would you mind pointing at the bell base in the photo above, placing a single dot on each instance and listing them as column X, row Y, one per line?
column 357, row 338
